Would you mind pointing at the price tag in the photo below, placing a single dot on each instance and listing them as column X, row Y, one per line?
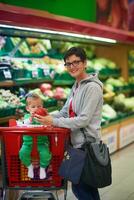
column 46, row 72
column 52, row 74
column 111, row 140
column 34, row 73
column 7, row 74
column 126, row 135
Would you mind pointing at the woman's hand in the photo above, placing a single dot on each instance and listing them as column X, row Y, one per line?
column 45, row 120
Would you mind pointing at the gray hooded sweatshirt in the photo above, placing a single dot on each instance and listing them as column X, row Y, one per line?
column 87, row 101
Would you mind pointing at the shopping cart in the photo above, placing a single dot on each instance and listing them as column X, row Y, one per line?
column 14, row 173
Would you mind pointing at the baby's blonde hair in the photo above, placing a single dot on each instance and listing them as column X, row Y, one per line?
column 32, row 96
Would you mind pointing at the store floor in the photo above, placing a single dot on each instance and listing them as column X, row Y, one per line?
column 122, row 187
column 123, row 178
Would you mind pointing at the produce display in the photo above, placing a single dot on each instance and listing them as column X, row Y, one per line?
column 36, row 59
column 108, row 112
column 116, row 84
column 123, row 103
column 131, row 59
column 9, row 102
column 47, row 92
column 30, row 46
column 101, row 63
column 9, row 98
column 131, row 81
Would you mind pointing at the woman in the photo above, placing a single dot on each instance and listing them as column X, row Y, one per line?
column 81, row 110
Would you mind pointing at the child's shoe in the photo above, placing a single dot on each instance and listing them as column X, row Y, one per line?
column 42, row 173
column 30, row 171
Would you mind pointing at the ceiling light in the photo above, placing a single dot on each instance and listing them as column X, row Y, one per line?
column 101, row 39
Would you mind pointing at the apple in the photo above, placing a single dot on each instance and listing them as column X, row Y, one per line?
column 45, row 86
column 59, row 90
column 48, row 93
column 41, row 111
column 59, row 95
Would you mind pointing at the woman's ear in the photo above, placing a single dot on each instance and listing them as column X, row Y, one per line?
column 85, row 64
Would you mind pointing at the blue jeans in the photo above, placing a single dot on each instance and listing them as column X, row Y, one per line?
column 85, row 192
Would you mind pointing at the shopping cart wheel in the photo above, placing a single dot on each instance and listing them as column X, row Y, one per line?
column 1, row 190
column 3, row 194
column 31, row 195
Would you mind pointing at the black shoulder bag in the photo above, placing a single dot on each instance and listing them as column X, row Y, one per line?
column 97, row 170
column 72, row 164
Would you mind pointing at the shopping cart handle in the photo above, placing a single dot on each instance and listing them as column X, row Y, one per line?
column 43, row 130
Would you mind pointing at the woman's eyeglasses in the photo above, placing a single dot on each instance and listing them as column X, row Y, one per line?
column 75, row 63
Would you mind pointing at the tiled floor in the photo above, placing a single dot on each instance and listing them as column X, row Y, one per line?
column 122, row 187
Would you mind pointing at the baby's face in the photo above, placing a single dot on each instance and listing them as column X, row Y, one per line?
column 34, row 105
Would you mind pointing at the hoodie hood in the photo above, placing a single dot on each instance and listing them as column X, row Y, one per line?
column 93, row 77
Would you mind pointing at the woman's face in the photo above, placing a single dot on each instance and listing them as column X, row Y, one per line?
column 75, row 66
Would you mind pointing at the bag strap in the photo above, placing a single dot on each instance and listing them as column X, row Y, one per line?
column 89, row 138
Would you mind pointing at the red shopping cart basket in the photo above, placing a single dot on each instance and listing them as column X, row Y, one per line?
column 15, row 173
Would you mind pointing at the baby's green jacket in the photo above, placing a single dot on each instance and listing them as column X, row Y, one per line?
column 29, row 139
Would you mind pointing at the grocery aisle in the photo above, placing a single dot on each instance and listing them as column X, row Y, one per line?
column 123, row 177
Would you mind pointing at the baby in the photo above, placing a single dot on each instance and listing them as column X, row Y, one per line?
column 33, row 103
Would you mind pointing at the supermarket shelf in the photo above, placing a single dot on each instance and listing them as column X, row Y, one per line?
column 110, row 123
column 63, row 82
column 104, row 73
column 6, row 119
column 23, row 17
column 118, row 120
column 24, row 81
column 6, row 83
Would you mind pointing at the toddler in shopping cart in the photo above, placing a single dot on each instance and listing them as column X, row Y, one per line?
column 33, row 104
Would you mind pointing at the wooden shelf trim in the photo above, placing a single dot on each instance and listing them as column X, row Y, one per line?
column 6, row 119
column 22, row 82
column 6, row 83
